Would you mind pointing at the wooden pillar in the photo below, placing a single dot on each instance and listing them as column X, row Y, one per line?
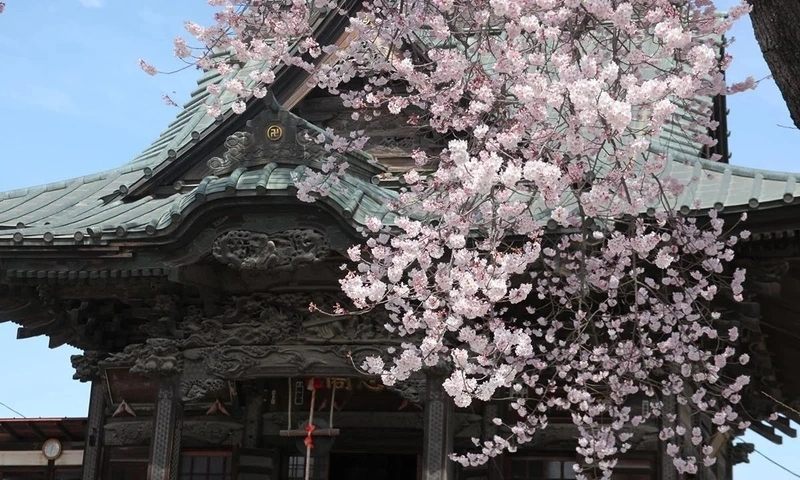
column 438, row 441
column 668, row 471
column 165, row 445
column 254, row 398
column 494, row 467
column 92, row 448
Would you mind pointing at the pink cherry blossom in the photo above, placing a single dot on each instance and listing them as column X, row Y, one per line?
column 539, row 247
column 147, row 68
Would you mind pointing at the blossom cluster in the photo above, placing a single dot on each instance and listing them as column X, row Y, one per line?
column 538, row 253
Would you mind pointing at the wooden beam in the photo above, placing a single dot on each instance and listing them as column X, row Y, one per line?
column 322, row 103
column 320, row 432
column 34, row 458
column 717, row 442
column 10, row 431
column 61, row 337
column 67, row 434
column 791, row 416
column 388, row 422
column 37, row 431
column 35, row 331
column 767, row 432
column 782, row 424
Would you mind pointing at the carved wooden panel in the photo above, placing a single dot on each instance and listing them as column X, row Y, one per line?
column 128, row 432
column 282, row 251
column 212, row 431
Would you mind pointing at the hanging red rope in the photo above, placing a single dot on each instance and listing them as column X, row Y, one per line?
column 313, row 384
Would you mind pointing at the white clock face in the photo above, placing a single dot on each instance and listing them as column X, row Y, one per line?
column 51, row 448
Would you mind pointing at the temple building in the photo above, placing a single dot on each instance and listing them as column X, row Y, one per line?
column 185, row 276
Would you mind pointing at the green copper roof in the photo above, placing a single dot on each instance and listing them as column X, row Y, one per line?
column 94, row 209
column 190, row 123
column 724, row 186
column 72, row 212
column 76, row 211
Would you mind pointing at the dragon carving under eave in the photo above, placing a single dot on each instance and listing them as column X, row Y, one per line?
column 155, row 357
column 284, row 251
column 249, row 329
column 275, row 319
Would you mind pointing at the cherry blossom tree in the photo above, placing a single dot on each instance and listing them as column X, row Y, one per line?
column 539, row 254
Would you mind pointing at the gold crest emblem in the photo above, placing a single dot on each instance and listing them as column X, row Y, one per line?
column 274, row 132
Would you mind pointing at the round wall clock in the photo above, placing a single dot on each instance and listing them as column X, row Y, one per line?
column 51, row 448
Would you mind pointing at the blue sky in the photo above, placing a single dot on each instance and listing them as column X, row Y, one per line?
column 74, row 102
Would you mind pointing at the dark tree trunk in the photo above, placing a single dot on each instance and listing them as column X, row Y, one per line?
column 777, row 28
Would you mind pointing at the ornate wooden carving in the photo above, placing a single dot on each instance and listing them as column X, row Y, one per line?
column 162, row 317
column 284, row 251
column 388, row 134
column 262, row 335
column 87, row 368
column 90, row 325
column 740, row 452
column 77, row 312
column 211, row 431
column 128, row 433
column 270, row 136
column 259, row 361
column 155, row 357
column 196, row 389
column 412, row 389
column 238, row 147
column 268, row 319
column 252, row 320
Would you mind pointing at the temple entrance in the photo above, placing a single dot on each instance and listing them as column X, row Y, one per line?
column 372, row 466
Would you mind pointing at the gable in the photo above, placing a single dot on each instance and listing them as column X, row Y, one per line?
column 259, row 157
